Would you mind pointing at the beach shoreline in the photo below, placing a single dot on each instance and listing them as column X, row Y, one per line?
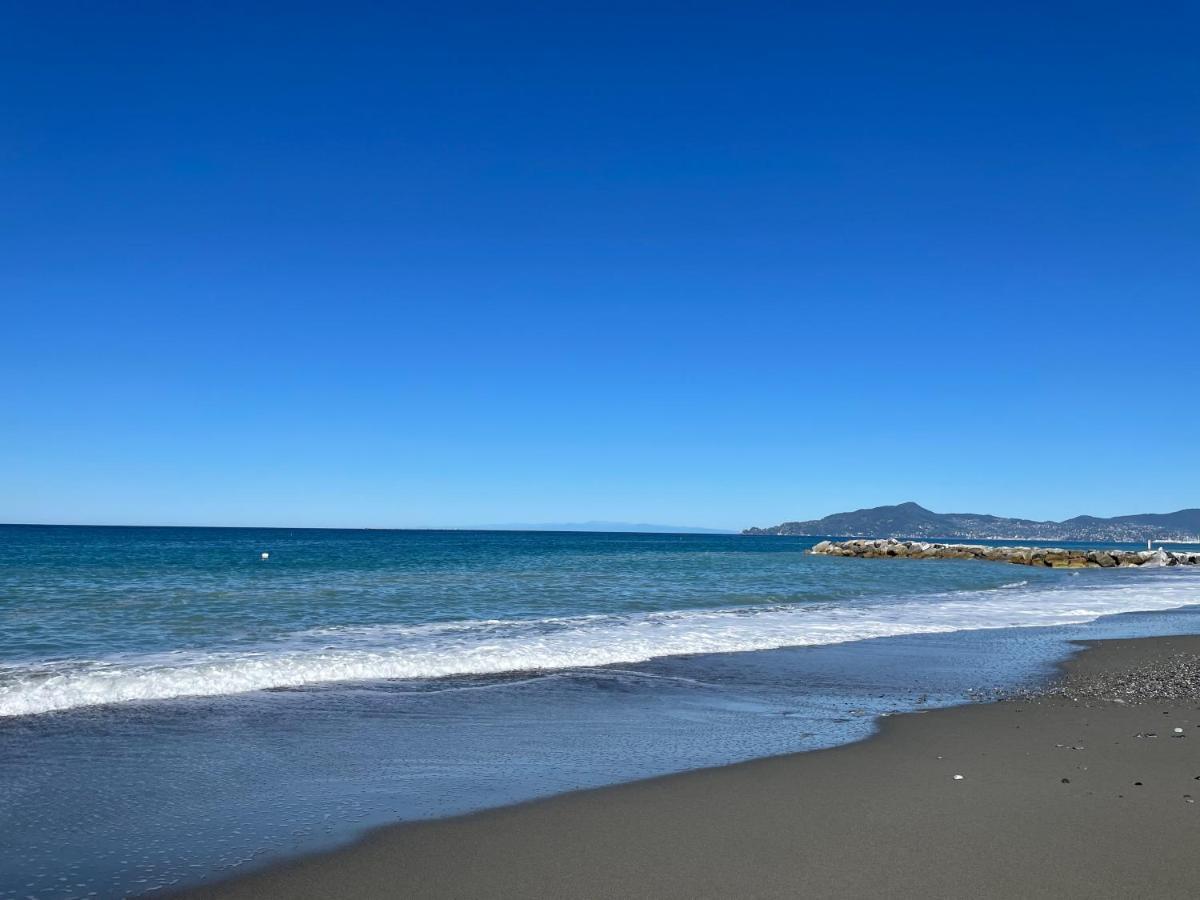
column 1069, row 792
column 222, row 722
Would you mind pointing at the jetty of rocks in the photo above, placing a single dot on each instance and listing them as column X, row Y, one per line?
column 1051, row 557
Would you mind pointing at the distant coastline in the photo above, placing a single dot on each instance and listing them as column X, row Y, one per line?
column 911, row 520
column 612, row 527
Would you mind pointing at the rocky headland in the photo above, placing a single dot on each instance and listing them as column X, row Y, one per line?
column 1050, row 557
column 915, row 521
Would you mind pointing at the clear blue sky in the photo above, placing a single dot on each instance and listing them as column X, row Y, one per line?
column 443, row 264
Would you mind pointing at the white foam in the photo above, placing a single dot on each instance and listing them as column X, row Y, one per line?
column 480, row 647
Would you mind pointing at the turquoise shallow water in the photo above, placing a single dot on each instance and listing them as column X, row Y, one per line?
column 173, row 707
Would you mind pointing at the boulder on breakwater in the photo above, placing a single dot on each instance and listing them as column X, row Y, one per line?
column 1051, row 557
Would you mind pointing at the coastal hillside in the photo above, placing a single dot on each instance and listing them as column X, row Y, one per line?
column 915, row 521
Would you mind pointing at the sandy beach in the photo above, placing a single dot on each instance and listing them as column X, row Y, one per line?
column 1086, row 790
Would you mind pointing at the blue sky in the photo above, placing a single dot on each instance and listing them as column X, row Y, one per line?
column 447, row 264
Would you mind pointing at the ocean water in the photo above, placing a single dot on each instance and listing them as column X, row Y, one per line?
column 175, row 708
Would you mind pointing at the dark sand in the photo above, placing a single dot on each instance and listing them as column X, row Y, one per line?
column 1049, row 805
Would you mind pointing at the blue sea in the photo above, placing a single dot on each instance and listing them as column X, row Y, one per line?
column 184, row 704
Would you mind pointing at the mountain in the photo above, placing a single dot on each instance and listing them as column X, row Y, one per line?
column 911, row 520
column 604, row 526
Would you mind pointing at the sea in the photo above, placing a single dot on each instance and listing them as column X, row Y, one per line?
column 183, row 705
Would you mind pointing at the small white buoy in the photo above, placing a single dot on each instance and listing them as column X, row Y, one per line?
column 266, row 556
column 958, row 778
column 1179, row 731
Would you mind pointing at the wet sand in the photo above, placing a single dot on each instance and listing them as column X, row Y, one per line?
column 1086, row 790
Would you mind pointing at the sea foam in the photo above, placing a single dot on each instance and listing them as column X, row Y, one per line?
column 476, row 647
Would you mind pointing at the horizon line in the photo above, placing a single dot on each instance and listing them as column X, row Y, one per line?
column 682, row 529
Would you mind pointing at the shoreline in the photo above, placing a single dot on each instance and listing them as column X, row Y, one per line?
column 880, row 816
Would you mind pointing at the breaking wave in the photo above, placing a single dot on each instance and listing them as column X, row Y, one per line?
column 364, row 653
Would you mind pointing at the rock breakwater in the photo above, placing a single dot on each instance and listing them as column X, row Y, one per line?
column 1050, row 557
